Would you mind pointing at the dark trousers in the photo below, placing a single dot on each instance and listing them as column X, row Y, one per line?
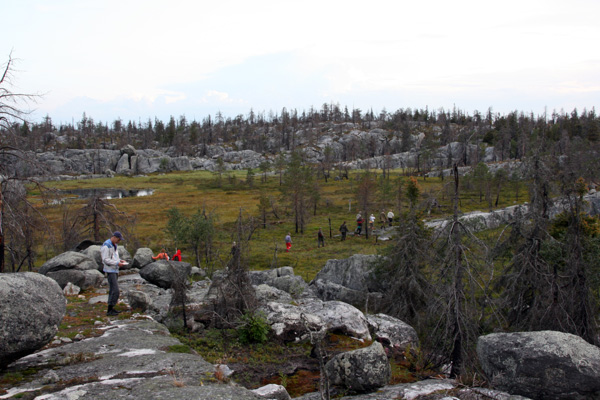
column 321, row 242
column 113, row 288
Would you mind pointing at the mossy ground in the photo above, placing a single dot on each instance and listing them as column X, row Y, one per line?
column 190, row 191
column 255, row 365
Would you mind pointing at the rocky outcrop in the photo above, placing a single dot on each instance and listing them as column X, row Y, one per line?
column 139, row 300
column 478, row 220
column 355, row 146
column 94, row 252
column 541, row 365
column 338, row 317
column 360, row 371
column 272, row 392
column 33, row 306
column 290, row 323
column 266, row 294
column 283, row 279
column 162, row 273
column 142, row 257
column 349, row 280
column 295, row 322
column 84, row 279
column 131, row 360
column 68, row 260
column 392, row 332
column 81, row 269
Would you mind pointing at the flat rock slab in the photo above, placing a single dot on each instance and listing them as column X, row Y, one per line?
column 131, row 360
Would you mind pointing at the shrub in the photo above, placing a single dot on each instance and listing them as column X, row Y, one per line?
column 254, row 328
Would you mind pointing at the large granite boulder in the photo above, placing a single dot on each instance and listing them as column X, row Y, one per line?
column 162, row 273
column 281, row 278
column 392, row 332
column 350, row 280
column 143, row 256
column 272, row 392
column 541, row 365
column 123, row 166
column 94, row 252
column 33, row 306
column 292, row 284
column 338, row 317
column 68, row 260
column 128, row 149
column 139, row 300
column 266, row 294
column 83, row 279
column 361, row 371
column 266, row 276
column 290, row 323
column 131, row 360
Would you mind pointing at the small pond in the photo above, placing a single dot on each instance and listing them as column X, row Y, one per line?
column 109, row 193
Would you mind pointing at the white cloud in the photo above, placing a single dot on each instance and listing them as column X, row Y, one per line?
column 160, row 54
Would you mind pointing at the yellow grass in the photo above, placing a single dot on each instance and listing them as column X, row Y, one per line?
column 189, row 191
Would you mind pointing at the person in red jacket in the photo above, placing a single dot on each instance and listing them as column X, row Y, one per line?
column 177, row 255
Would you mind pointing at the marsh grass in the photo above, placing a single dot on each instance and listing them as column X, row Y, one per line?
column 190, row 191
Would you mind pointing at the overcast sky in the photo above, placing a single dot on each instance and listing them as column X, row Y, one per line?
column 140, row 59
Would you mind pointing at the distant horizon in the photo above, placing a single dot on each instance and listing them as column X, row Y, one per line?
column 267, row 113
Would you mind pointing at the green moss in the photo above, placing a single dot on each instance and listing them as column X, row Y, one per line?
column 180, row 348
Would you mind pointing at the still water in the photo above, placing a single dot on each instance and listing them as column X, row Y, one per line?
column 108, row 193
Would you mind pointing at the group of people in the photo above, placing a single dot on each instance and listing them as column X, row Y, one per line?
column 163, row 255
column 385, row 219
column 111, row 262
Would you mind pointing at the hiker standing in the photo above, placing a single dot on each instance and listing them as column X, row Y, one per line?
column 177, row 255
column 288, row 242
column 343, row 231
column 320, row 239
column 382, row 219
column 390, row 216
column 162, row 255
column 111, row 263
column 359, row 223
column 371, row 221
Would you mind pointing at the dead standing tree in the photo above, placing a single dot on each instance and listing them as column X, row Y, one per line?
column 461, row 285
column 22, row 224
column 528, row 284
column 231, row 292
column 404, row 268
column 97, row 219
column 13, row 111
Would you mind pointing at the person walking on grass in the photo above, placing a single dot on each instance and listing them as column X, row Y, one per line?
column 288, row 242
column 390, row 216
column 320, row 239
column 343, row 231
column 383, row 219
column 111, row 263
column 359, row 223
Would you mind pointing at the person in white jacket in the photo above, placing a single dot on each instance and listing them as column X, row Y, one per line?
column 111, row 263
